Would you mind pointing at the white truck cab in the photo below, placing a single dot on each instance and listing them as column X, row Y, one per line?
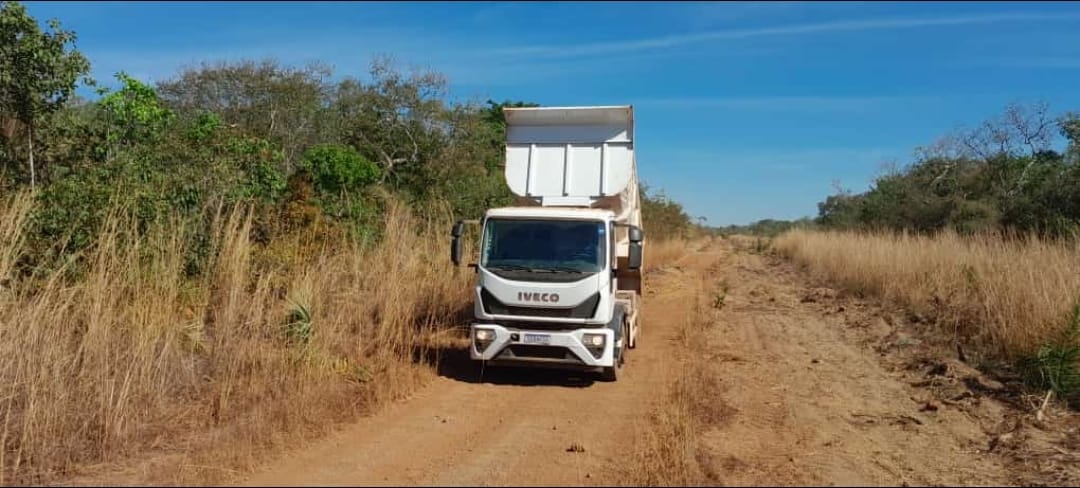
column 559, row 276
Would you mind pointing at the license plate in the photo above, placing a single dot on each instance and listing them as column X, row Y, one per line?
column 537, row 339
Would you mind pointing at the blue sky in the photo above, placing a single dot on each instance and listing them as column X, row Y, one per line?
column 744, row 111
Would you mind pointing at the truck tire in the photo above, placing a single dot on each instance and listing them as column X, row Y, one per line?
column 612, row 373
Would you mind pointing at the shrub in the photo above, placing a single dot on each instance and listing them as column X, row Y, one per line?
column 337, row 168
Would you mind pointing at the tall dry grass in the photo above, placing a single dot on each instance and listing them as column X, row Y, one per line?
column 670, row 451
column 1005, row 295
column 209, row 372
column 663, row 252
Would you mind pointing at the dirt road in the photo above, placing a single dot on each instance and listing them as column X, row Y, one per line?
column 816, row 389
column 509, row 427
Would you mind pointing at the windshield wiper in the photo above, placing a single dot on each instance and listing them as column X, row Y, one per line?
column 537, row 269
column 511, row 267
column 564, row 269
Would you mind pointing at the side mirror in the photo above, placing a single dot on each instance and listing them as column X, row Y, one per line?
column 635, row 255
column 455, row 244
column 636, row 236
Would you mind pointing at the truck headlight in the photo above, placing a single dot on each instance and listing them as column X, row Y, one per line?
column 483, row 338
column 594, row 343
column 594, row 340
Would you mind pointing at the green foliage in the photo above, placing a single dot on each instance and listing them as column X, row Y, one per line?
column 401, row 123
column 135, row 112
column 206, row 124
column 69, row 140
column 298, row 327
column 38, row 73
column 663, row 217
column 495, row 119
column 1000, row 176
column 307, row 152
column 841, row 211
column 1054, row 366
column 767, row 227
column 284, row 105
column 72, row 209
column 259, row 160
column 337, row 168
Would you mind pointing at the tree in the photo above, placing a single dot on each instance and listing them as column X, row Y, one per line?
column 661, row 216
column 135, row 112
column 399, row 121
column 37, row 71
column 337, row 169
column 1002, row 175
column 262, row 98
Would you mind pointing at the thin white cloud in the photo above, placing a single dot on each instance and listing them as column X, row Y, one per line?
column 784, row 103
column 708, row 14
column 634, row 45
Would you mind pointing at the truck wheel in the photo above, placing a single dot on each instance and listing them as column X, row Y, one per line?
column 612, row 373
column 625, row 343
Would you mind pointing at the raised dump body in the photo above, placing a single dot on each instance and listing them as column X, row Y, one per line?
column 575, row 157
column 559, row 279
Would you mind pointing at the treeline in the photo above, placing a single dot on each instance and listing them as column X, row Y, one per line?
column 1004, row 175
column 766, row 227
column 304, row 149
column 664, row 218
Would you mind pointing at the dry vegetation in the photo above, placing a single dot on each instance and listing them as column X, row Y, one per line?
column 204, row 376
column 264, row 347
column 663, row 252
column 669, row 453
column 1006, row 296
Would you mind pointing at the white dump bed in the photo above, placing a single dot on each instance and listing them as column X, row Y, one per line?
column 573, row 157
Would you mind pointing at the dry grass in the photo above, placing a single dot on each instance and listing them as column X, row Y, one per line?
column 661, row 253
column 1007, row 296
column 664, row 252
column 670, row 453
column 209, row 373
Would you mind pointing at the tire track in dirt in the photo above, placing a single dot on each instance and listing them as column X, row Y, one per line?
column 512, row 427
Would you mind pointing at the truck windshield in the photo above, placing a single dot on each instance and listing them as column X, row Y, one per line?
column 544, row 245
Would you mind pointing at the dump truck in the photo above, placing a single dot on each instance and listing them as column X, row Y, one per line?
column 559, row 273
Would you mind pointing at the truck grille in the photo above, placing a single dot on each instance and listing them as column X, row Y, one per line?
column 585, row 310
column 540, row 312
column 544, row 352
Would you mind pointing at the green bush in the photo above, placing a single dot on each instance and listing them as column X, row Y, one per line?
column 259, row 161
column 71, row 210
column 337, row 168
column 205, row 125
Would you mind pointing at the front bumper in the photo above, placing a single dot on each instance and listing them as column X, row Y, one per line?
column 564, row 349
